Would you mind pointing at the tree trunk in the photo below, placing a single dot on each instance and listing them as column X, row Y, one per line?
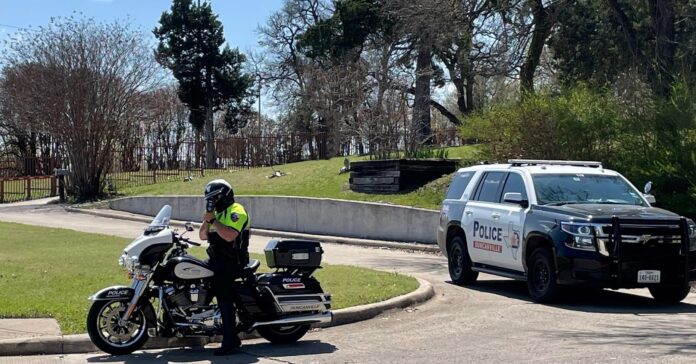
column 209, row 138
column 543, row 22
column 662, row 16
column 421, row 105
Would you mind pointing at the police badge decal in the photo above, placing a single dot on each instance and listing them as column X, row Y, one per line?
column 512, row 240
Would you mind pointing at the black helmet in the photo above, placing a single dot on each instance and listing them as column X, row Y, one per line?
column 218, row 195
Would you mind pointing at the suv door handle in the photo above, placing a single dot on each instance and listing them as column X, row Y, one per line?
column 495, row 216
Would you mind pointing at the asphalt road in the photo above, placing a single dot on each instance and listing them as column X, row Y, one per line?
column 493, row 321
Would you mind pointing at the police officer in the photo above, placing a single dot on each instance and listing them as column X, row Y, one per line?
column 226, row 227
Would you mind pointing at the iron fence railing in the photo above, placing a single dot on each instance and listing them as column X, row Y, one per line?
column 135, row 164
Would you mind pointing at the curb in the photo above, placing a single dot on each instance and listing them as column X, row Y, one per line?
column 74, row 344
column 274, row 233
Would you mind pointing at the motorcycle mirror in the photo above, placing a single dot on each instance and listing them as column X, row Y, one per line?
column 189, row 226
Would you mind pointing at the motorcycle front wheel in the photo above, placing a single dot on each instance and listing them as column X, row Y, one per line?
column 283, row 334
column 112, row 336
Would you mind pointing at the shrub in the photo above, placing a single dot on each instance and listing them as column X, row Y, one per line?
column 643, row 138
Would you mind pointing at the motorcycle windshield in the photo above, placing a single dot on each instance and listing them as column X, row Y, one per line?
column 161, row 221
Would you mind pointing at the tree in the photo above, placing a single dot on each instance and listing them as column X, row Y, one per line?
column 210, row 79
column 544, row 17
column 166, row 125
column 284, row 66
column 82, row 83
column 599, row 40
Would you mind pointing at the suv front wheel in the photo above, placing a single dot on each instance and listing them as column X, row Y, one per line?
column 459, row 263
column 670, row 294
column 541, row 276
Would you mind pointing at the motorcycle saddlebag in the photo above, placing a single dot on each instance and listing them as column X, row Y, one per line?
column 293, row 253
column 293, row 293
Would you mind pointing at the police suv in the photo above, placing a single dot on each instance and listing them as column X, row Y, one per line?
column 553, row 223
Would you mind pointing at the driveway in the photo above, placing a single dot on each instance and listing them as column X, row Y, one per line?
column 493, row 321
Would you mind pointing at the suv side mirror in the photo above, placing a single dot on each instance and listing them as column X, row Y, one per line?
column 189, row 226
column 515, row 198
column 650, row 198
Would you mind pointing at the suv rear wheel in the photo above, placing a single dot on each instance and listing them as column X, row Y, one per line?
column 541, row 276
column 459, row 263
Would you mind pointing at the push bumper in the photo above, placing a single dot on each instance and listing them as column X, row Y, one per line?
column 618, row 263
column 597, row 271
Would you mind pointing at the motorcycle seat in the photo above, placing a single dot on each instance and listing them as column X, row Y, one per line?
column 252, row 267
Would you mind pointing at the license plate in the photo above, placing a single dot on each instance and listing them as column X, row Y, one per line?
column 648, row 276
column 300, row 256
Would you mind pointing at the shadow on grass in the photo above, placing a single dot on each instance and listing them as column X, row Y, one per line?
column 247, row 354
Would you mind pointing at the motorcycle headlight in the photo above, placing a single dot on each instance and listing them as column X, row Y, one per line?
column 582, row 236
column 122, row 260
column 129, row 262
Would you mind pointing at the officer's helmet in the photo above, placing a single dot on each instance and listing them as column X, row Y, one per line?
column 218, row 195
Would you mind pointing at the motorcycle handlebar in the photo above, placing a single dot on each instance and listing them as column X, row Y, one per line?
column 186, row 240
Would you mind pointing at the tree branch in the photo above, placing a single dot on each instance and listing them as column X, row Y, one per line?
column 446, row 113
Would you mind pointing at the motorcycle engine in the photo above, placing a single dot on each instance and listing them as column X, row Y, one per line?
column 188, row 296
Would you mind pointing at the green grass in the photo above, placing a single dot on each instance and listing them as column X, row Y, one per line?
column 50, row 273
column 310, row 179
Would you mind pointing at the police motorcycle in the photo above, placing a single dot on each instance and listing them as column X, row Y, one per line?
column 170, row 295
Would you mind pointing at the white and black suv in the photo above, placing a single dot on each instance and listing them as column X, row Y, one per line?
column 553, row 223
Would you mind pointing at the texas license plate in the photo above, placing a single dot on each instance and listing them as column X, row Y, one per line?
column 648, row 276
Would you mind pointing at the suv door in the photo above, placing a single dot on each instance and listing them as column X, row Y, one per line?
column 510, row 217
column 483, row 229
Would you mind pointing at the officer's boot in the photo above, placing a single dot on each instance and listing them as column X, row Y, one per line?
column 230, row 340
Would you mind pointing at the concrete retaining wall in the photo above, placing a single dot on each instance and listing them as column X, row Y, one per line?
column 307, row 215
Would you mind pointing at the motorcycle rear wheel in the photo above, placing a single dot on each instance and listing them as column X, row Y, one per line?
column 113, row 337
column 283, row 334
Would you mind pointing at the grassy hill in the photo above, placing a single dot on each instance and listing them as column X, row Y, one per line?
column 311, row 179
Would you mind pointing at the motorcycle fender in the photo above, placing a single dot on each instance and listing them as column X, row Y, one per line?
column 118, row 293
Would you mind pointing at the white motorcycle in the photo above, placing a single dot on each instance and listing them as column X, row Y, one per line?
column 171, row 293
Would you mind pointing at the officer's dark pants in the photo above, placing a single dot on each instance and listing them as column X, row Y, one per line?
column 226, row 271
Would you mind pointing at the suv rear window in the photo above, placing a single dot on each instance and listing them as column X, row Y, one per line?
column 489, row 188
column 458, row 185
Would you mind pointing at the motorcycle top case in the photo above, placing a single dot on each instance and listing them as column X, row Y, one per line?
column 293, row 253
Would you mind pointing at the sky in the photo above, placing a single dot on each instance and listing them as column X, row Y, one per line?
column 240, row 18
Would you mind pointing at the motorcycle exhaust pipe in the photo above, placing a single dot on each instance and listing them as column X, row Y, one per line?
column 322, row 318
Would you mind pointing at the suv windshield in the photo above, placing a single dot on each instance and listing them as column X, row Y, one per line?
column 561, row 189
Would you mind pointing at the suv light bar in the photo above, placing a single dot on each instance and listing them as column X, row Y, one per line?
column 529, row 162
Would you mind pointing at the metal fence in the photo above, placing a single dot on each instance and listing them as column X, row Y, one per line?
column 13, row 189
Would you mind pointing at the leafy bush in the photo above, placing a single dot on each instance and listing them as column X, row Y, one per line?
column 643, row 138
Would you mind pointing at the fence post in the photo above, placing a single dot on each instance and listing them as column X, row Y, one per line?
column 53, row 186
column 154, row 176
column 27, row 182
column 2, row 190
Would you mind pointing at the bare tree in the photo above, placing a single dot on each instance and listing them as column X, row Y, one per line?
column 166, row 126
column 284, row 66
column 86, row 89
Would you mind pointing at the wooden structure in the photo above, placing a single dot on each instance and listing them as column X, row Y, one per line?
column 394, row 175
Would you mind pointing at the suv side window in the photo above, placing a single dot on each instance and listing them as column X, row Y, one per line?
column 489, row 187
column 458, row 185
column 514, row 183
